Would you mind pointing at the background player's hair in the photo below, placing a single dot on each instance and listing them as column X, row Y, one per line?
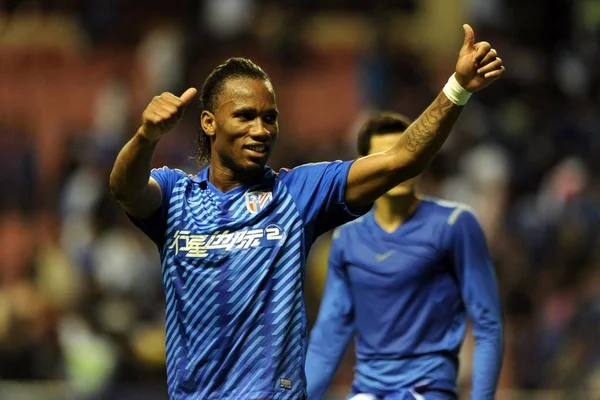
column 380, row 124
column 235, row 67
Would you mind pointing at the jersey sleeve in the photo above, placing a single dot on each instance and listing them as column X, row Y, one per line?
column 319, row 191
column 155, row 225
column 333, row 328
column 479, row 288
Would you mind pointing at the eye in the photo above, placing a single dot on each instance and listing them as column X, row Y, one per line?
column 246, row 116
column 270, row 118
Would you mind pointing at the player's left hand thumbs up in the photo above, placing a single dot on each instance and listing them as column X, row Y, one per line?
column 478, row 64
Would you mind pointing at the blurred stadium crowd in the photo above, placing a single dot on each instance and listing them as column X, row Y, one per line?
column 81, row 296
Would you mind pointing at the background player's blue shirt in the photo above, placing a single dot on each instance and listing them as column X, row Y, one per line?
column 405, row 295
column 233, row 271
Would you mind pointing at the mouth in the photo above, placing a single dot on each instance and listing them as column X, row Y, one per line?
column 258, row 149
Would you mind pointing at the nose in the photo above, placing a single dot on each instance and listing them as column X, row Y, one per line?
column 259, row 130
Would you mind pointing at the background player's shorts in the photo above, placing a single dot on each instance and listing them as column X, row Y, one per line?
column 406, row 395
column 363, row 396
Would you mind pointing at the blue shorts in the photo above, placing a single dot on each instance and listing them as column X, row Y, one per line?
column 406, row 395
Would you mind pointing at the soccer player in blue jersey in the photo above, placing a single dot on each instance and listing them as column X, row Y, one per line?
column 402, row 280
column 233, row 239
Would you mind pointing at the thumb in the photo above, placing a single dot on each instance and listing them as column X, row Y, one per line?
column 469, row 41
column 188, row 95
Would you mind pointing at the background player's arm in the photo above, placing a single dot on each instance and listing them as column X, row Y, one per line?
column 130, row 181
column 333, row 329
column 372, row 176
column 479, row 289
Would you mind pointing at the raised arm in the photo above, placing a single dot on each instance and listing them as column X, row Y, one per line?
column 373, row 175
column 130, row 181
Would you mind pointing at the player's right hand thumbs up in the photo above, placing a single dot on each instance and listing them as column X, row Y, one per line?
column 163, row 113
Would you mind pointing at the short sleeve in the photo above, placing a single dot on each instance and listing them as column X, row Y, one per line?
column 155, row 225
column 319, row 191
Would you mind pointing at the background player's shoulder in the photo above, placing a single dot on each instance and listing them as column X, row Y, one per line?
column 349, row 226
column 336, row 233
column 449, row 211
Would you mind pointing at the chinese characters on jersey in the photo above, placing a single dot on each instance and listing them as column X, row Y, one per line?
column 200, row 245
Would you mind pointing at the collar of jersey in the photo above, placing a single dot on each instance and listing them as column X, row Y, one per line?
column 401, row 229
column 202, row 179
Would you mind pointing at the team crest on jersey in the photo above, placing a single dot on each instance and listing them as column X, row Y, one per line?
column 257, row 201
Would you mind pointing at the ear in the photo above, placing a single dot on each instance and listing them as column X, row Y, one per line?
column 208, row 123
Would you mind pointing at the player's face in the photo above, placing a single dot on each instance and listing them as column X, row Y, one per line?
column 245, row 126
column 381, row 143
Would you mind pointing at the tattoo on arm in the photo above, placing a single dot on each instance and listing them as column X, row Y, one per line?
column 425, row 129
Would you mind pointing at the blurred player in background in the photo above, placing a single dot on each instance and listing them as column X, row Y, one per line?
column 402, row 280
column 234, row 238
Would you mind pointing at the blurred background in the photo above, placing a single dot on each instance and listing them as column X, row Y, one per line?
column 81, row 301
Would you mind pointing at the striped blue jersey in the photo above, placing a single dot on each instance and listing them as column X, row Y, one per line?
column 405, row 297
column 233, row 272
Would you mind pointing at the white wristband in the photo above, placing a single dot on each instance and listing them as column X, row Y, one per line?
column 456, row 93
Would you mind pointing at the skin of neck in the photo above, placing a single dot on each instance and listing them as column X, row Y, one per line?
column 225, row 177
column 392, row 210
